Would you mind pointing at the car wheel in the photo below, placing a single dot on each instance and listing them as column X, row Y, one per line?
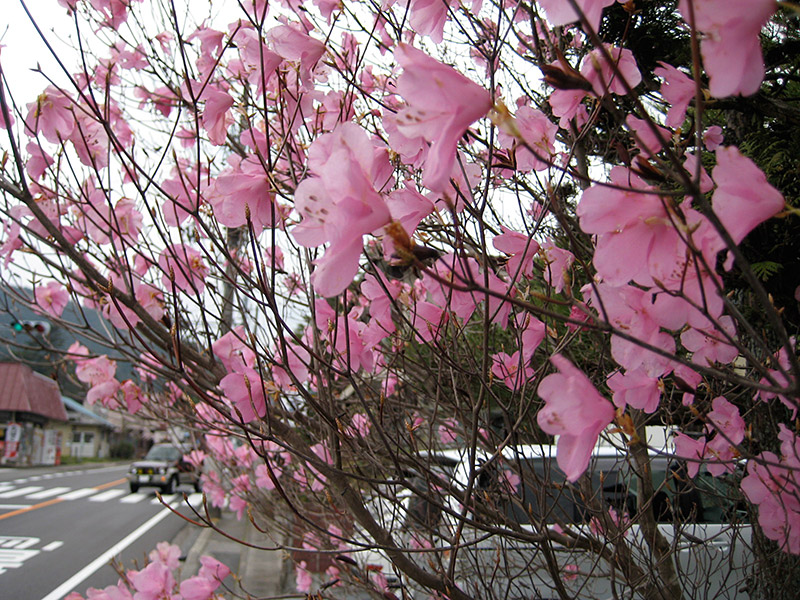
column 169, row 488
column 134, row 488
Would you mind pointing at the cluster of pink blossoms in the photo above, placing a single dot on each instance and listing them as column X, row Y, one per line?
column 159, row 579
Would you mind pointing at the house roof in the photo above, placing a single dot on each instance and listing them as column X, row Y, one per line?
column 24, row 390
column 85, row 414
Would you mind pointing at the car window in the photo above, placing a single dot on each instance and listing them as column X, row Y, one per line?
column 168, row 453
column 542, row 492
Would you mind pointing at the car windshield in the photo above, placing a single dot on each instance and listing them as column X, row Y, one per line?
column 541, row 492
column 168, row 453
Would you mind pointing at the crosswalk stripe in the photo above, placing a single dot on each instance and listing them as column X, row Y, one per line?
column 107, row 495
column 168, row 499
column 21, row 491
column 134, row 498
column 79, row 493
column 4, row 487
column 47, row 493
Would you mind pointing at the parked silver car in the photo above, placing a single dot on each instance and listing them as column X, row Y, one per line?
column 163, row 467
column 527, row 494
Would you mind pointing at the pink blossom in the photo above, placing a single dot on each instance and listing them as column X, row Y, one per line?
column 52, row 298
column 360, row 425
column 678, row 89
column 576, row 412
column 243, row 187
column 726, row 420
column 539, row 133
column 245, row 390
column 187, row 266
column 231, row 350
column 522, row 249
column 636, row 388
column 105, row 393
column 216, row 116
column 95, row 370
column 557, row 265
column 303, row 578
column 608, row 78
column 442, row 104
column 38, row 160
column 731, row 46
column 340, row 203
column 154, row 582
column 167, row 554
column 691, row 449
column 561, row 12
column 709, row 345
column 713, row 137
column 51, row 115
column 448, row 431
column 509, row 370
column 743, row 198
column 428, row 17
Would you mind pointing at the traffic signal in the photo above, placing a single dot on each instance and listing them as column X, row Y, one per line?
column 40, row 327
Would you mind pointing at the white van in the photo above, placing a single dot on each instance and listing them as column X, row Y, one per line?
column 536, row 536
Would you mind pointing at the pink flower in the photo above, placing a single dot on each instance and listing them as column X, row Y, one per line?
column 166, row 553
column 636, row 388
column 576, row 412
column 232, row 352
column 561, row 12
column 726, row 420
column 509, row 370
column 186, row 265
column 743, row 198
column 154, row 582
column 52, row 115
column 691, row 449
column 95, row 370
column 303, row 578
column 340, row 203
column 677, row 89
column 731, row 46
column 52, row 298
column 557, row 265
column 522, row 249
column 709, row 346
column 606, row 77
column 442, row 104
column 216, row 117
column 245, row 390
column 360, row 425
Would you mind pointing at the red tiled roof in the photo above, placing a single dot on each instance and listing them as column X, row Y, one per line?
column 24, row 390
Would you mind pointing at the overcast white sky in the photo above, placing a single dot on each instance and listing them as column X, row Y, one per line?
column 24, row 48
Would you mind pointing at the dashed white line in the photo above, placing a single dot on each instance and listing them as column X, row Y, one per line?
column 21, row 491
column 52, row 546
column 47, row 493
column 107, row 495
column 79, row 493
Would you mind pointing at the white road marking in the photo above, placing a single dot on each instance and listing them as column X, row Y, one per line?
column 35, row 478
column 13, row 559
column 13, row 506
column 79, row 493
column 102, row 560
column 23, row 480
column 5, row 486
column 107, row 495
column 134, row 498
column 52, row 546
column 18, row 542
column 168, row 499
column 48, row 492
column 21, row 491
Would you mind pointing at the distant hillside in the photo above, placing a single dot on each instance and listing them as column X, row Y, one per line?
column 43, row 352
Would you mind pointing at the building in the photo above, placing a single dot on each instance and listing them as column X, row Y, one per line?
column 30, row 410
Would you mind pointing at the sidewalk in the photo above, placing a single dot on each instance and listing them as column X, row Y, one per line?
column 261, row 573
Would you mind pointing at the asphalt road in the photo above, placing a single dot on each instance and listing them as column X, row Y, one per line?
column 60, row 527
